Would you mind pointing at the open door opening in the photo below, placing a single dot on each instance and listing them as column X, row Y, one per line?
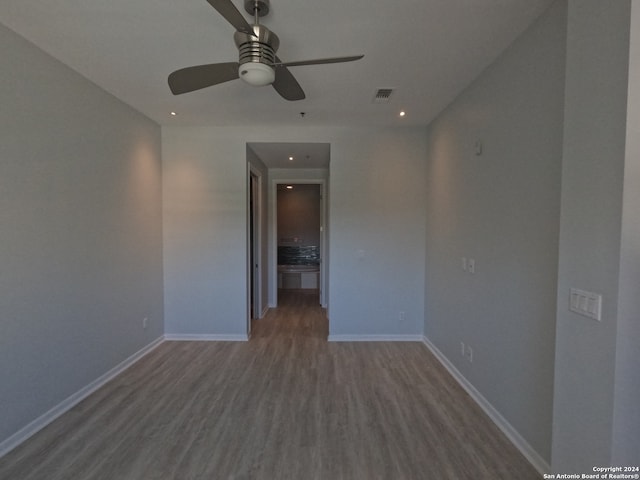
column 283, row 163
column 299, row 238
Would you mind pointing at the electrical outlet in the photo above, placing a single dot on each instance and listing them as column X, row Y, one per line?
column 145, row 322
column 401, row 316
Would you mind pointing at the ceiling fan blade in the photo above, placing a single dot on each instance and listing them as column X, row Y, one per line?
column 201, row 76
column 286, row 84
column 320, row 61
column 232, row 15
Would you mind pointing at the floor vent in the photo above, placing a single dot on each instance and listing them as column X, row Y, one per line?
column 383, row 95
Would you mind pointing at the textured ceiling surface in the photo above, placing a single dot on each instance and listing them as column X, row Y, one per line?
column 427, row 50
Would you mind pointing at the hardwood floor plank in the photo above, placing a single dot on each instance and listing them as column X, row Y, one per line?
column 285, row 405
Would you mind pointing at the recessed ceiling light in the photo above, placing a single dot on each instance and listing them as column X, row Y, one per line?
column 289, row 187
column 173, row 114
column 291, row 159
column 402, row 113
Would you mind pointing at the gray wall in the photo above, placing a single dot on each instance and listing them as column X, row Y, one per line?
column 298, row 215
column 80, row 236
column 626, row 427
column 556, row 184
column 377, row 232
column 205, row 232
column 501, row 208
column 590, row 236
column 376, row 227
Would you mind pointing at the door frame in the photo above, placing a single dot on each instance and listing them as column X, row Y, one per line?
column 255, row 262
column 323, row 283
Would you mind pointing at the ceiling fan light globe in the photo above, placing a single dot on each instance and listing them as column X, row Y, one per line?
column 257, row 74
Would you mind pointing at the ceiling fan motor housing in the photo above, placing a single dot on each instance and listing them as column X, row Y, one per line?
column 257, row 55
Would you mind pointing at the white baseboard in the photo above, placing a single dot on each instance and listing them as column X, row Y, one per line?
column 512, row 434
column 42, row 421
column 179, row 337
column 375, row 338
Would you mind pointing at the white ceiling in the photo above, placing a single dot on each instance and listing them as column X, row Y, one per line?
column 429, row 50
column 303, row 155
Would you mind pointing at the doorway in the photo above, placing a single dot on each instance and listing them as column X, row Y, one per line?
column 299, row 250
column 299, row 238
column 277, row 163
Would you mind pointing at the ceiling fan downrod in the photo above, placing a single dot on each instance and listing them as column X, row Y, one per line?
column 257, row 8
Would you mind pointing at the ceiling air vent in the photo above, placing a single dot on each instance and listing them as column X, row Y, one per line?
column 383, row 95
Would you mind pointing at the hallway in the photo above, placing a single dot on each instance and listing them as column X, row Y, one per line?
column 298, row 314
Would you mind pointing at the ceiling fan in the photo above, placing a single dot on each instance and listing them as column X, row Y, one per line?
column 258, row 64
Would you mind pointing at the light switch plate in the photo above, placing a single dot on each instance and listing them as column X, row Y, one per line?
column 584, row 303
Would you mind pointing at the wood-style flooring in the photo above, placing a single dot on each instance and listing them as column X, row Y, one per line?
column 285, row 405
